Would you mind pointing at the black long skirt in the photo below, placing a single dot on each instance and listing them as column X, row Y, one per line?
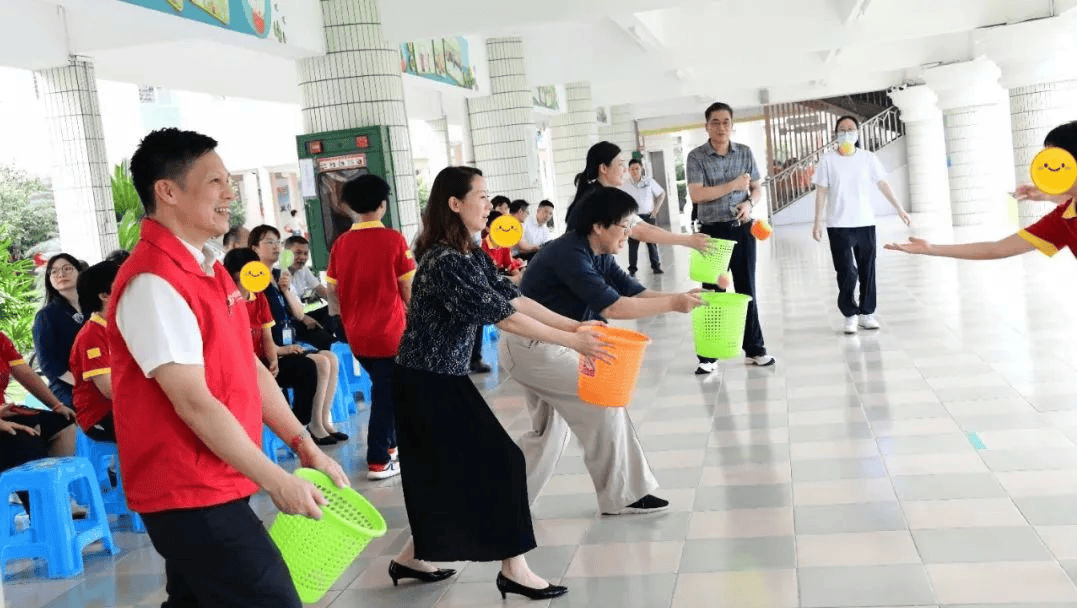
column 465, row 482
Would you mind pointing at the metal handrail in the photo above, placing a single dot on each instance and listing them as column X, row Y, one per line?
column 790, row 184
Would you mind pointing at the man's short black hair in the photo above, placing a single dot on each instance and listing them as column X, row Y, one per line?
column 518, row 204
column 1063, row 136
column 236, row 259
column 93, row 282
column 119, row 256
column 166, row 154
column 605, row 207
column 499, row 200
column 493, row 216
column 635, row 161
column 365, row 193
column 294, row 240
column 232, row 236
column 717, row 106
column 545, row 204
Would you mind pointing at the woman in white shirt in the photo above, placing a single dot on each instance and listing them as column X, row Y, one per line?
column 844, row 179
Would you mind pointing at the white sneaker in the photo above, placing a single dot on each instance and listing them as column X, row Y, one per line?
column 382, row 471
column 868, row 322
column 850, row 324
column 708, row 367
column 762, row 360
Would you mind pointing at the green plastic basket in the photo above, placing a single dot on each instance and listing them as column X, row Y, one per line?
column 319, row 551
column 705, row 267
column 719, row 325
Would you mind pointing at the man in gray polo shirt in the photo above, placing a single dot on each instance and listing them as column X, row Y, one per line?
column 723, row 183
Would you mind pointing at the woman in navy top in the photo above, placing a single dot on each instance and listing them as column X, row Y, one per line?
column 57, row 324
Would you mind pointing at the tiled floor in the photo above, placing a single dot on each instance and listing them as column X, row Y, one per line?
column 931, row 463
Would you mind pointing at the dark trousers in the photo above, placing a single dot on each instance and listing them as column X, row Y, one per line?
column 220, row 556
column 381, row 432
column 318, row 337
column 853, row 250
column 476, row 349
column 742, row 267
column 652, row 249
column 103, row 430
column 299, row 373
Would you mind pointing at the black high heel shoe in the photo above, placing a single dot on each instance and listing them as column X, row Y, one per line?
column 397, row 572
column 506, row 586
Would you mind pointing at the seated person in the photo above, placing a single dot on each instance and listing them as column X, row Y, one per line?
column 308, row 334
column 90, row 363
column 520, row 209
column 577, row 277
column 535, row 231
column 28, row 434
column 501, row 204
column 502, row 256
column 305, row 284
column 57, row 324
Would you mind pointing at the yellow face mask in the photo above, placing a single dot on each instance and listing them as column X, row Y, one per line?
column 1053, row 171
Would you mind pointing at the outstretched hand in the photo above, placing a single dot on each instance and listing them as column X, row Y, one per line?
column 914, row 245
column 592, row 345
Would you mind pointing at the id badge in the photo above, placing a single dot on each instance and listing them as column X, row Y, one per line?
column 286, row 336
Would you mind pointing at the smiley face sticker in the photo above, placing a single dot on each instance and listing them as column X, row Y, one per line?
column 254, row 276
column 506, row 231
column 1053, row 171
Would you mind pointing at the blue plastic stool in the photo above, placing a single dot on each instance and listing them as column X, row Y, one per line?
column 339, row 409
column 34, row 402
column 102, row 456
column 352, row 375
column 53, row 534
column 271, row 445
column 490, row 336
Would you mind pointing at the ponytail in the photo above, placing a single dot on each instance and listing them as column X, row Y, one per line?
column 602, row 153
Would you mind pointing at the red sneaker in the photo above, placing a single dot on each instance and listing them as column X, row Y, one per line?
column 382, row 471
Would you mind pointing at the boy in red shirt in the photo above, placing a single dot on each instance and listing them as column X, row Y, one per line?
column 502, row 256
column 1054, row 231
column 369, row 276
column 90, row 362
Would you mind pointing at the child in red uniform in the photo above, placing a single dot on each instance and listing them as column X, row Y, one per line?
column 89, row 362
column 1054, row 231
column 288, row 364
column 369, row 276
column 502, row 256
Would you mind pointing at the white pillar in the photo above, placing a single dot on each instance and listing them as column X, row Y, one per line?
column 574, row 132
column 441, row 130
column 80, row 174
column 357, row 83
column 975, row 121
column 1041, row 85
column 503, row 131
column 929, row 187
column 622, row 129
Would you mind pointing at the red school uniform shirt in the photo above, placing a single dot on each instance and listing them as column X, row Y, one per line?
column 1054, row 231
column 261, row 318
column 502, row 256
column 9, row 358
column 90, row 358
column 366, row 265
column 164, row 464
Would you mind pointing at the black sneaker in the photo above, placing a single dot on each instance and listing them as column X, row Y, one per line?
column 647, row 504
column 656, row 271
column 480, row 367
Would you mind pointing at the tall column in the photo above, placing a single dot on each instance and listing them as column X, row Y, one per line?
column 573, row 133
column 357, row 83
column 80, row 174
column 622, row 129
column 973, row 109
column 929, row 187
column 503, row 125
column 1041, row 85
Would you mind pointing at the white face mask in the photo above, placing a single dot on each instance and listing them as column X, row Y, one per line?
column 848, row 137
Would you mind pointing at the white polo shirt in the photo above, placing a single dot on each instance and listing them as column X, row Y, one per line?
column 644, row 192
column 534, row 234
column 850, row 182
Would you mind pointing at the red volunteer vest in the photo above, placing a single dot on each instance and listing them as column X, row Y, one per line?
column 164, row 464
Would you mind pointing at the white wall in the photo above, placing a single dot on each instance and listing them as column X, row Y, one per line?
column 894, row 159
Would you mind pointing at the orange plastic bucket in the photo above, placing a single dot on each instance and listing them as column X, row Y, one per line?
column 612, row 384
column 761, row 230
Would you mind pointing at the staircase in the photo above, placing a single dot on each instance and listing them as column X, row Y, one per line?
column 790, row 180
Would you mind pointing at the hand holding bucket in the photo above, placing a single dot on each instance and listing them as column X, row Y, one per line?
column 611, row 380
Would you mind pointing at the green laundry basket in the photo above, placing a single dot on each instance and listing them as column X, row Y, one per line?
column 719, row 324
column 319, row 551
column 705, row 267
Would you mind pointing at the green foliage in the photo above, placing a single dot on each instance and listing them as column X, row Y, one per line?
column 27, row 213
column 19, row 298
column 679, row 168
column 423, row 191
column 128, row 231
column 238, row 212
column 124, row 196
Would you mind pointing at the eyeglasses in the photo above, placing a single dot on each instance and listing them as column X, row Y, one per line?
column 62, row 270
column 625, row 226
column 271, row 243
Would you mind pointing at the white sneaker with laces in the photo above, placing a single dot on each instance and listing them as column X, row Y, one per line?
column 383, row 471
column 708, row 367
column 868, row 322
column 762, row 360
column 850, row 324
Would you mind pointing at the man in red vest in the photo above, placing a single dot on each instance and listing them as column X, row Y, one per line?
column 189, row 398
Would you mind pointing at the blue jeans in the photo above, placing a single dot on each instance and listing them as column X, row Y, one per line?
column 652, row 249
column 381, row 433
